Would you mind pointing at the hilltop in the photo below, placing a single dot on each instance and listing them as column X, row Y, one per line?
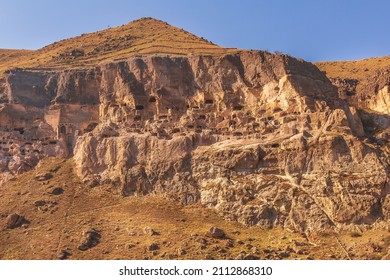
column 143, row 36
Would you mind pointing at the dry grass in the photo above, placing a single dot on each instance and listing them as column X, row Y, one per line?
column 355, row 69
column 144, row 36
column 121, row 222
column 12, row 57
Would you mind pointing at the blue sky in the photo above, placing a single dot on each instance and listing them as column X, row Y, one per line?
column 315, row 30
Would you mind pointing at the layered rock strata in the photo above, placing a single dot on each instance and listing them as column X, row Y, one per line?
column 263, row 139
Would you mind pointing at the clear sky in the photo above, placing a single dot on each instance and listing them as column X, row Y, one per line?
column 315, row 30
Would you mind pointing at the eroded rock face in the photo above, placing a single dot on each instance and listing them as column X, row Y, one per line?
column 42, row 113
column 371, row 97
column 370, row 92
column 40, row 88
column 305, row 183
column 263, row 139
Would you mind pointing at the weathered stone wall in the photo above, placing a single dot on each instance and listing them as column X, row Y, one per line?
column 264, row 139
column 36, row 105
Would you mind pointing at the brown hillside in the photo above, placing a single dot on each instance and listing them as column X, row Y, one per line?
column 354, row 69
column 144, row 36
column 12, row 57
column 57, row 220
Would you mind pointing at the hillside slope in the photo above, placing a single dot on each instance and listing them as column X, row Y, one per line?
column 354, row 69
column 62, row 209
column 143, row 36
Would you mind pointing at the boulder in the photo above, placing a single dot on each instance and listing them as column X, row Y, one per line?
column 44, row 176
column 91, row 238
column 15, row 221
column 215, row 232
column 149, row 231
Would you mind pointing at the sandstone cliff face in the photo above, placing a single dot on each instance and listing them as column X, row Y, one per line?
column 261, row 138
column 42, row 113
column 371, row 96
column 40, row 88
column 371, row 92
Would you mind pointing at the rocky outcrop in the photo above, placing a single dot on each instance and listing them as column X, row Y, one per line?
column 91, row 238
column 41, row 88
column 15, row 220
column 305, row 183
column 370, row 96
column 42, row 113
column 382, row 101
column 261, row 138
column 366, row 92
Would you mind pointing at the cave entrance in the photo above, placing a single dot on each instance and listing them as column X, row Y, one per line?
column 62, row 129
column 90, row 127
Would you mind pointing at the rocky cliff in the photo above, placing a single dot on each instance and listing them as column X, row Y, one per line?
column 364, row 84
column 263, row 139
